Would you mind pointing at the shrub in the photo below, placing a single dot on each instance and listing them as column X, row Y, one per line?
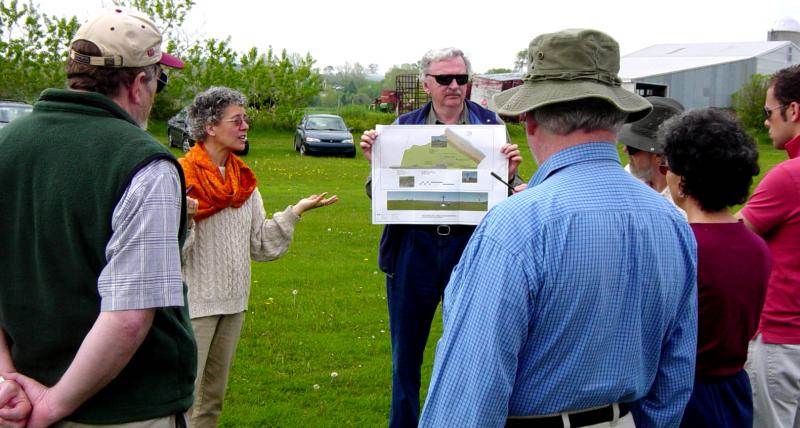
column 748, row 101
column 33, row 50
column 360, row 117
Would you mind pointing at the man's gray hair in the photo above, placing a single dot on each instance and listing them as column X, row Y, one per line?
column 435, row 55
column 208, row 106
column 588, row 115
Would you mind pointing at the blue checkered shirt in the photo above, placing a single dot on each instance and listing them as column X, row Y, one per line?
column 576, row 293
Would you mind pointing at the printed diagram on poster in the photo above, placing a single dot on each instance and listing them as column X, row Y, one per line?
column 437, row 174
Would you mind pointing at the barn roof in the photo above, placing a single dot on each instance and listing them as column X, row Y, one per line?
column 668, row 58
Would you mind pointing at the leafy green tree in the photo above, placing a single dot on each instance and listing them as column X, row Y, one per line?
column 209, row 63
column 169, row 16
column 348, row 84
column 521, row 62
column 498, row 70
column 390, row 81
column 34, row 46
column 33, row 49
column 278, row 87
column 748, row 101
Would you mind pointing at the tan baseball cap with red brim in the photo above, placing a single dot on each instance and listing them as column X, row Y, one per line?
column 126, row 38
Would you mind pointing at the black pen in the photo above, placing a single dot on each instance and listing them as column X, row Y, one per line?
column 503, row 181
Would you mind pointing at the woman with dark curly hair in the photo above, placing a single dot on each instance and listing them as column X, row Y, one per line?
column 229, row 228
column 711, row 162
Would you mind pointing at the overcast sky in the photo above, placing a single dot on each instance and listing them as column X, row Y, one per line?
column 490, row 32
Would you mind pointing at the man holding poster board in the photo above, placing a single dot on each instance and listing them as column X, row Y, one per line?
column 418, row 258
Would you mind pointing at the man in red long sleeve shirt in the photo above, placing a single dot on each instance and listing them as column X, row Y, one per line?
column 773, row 212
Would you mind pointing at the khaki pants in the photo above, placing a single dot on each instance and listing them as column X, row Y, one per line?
column 774, row 372
column 216, row 337
column 164, row 422
column 623, row 422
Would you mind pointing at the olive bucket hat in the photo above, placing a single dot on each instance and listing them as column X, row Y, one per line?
column 642, row 134
column 571, row 65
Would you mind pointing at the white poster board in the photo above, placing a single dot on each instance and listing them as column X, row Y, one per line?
column 437, row 174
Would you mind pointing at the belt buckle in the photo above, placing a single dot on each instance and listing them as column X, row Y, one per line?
column 443, row 229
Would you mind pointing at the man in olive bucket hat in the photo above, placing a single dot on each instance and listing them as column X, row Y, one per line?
column 574, row 303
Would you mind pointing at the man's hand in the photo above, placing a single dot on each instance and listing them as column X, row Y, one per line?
column 367, row 140
column 106, row 349
column 511, row 152
column 16, row 407
column 44, row 413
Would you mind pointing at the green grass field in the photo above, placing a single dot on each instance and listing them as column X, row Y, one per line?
column 321, row 308
column 435, row 206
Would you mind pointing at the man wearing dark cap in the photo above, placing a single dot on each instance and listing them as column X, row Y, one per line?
column 574, row 303
column 92, row 305
column 645, row 151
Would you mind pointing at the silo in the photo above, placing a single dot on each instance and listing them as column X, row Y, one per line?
column 785, row 29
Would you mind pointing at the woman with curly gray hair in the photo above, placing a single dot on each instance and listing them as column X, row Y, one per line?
column 228, row 228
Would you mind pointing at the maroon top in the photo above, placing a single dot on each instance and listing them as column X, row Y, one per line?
column 733, row 266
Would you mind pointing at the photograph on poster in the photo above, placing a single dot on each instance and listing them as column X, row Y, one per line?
column 437, row 174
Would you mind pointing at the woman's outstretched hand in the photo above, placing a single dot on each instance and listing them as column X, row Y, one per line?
column 313, row 201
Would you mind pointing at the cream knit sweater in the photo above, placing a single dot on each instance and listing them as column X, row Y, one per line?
column 218, row 250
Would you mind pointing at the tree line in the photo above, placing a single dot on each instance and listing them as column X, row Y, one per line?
column 34, row 46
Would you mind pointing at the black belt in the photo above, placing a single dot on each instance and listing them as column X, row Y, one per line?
column 447, row 229
column 576, row 419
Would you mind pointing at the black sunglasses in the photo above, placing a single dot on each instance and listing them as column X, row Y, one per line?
column 161, row 82
column 768, row 111
column 446, row 79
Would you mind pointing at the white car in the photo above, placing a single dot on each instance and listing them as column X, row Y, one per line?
column 10, row 110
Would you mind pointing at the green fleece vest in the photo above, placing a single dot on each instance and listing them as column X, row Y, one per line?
column 63, row 169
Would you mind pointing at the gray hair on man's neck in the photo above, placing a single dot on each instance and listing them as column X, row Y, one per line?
column 587, row 115
column 435, row 55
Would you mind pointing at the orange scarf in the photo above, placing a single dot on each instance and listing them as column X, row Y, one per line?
column 210, row 189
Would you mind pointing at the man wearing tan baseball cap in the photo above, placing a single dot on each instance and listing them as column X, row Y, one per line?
column 574, row 303
column 92, row 308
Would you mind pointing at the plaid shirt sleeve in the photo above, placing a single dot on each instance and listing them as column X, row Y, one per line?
column 143, row 269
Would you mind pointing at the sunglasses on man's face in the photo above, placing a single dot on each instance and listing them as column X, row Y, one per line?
column 446, row 79
column 161, row 82
column 768, row 111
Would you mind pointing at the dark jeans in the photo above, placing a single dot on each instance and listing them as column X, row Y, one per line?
column 421, row 271
column 720, row 402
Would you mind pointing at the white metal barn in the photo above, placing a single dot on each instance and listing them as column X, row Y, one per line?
column 703, row 74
